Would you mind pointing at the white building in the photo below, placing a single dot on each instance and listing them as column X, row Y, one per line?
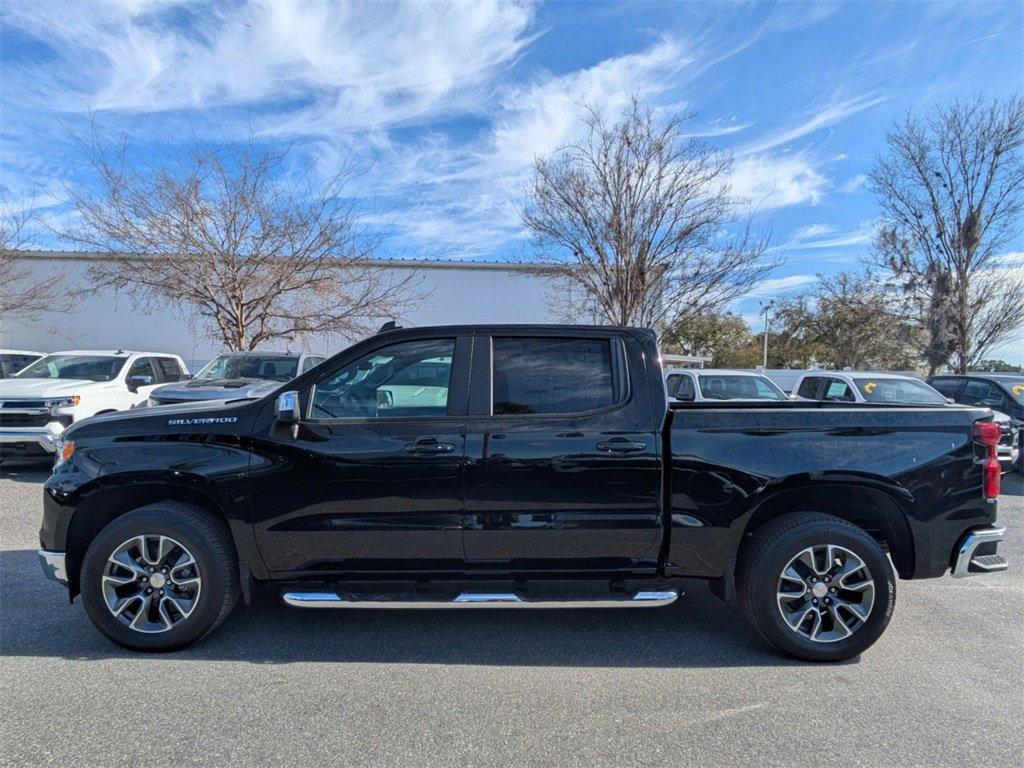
column 454, row 292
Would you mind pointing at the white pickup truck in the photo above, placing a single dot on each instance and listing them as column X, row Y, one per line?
column 61, row 388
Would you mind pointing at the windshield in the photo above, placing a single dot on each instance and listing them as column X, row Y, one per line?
column 882, row 390
column 89, row 367
column 1015, row 388
column 272, row 367
column 719, row 387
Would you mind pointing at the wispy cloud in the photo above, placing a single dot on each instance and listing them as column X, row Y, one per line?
column 816, row 119
column 345, row 66
column 778, row 286
column 821, row 236
column 767, row 182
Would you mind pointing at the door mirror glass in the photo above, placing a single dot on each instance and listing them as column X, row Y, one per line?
column 286, row 409
column 139, row 380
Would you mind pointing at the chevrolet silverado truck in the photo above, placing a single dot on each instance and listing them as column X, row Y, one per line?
column 516, row 467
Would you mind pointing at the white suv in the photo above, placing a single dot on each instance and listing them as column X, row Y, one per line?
column 38, row 403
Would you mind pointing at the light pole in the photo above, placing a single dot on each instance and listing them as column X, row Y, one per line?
column 766, row 308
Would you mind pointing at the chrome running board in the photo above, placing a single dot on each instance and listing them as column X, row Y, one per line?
column 641, row 599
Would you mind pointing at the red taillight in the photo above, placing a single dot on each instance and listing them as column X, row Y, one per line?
column 988, row 434
column 993, row 474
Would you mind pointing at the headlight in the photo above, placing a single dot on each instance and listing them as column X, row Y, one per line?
column 63, row 402
column 65, row 449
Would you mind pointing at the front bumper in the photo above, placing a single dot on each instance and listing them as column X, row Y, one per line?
column 54, row 565
column 44, row 437
column 976, row 553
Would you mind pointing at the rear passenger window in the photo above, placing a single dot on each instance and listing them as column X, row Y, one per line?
column 982, row 392
column 539, row 375
column 169, row 369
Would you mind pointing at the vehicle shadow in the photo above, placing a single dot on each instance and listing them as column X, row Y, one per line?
column 25, row 471
column 699, row 631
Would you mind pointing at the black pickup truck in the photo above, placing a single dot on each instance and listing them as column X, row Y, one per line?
column 516, row 466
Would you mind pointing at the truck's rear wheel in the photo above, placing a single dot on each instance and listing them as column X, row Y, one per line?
column 816, row 587
column 160, row 577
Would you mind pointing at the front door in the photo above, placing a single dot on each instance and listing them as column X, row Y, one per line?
column 372, row 478
column 564, row 468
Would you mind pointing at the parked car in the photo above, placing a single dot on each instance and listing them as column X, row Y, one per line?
column 546, row 469
column 13, row 360
column 700, row 384
column 1002, row 392
column 59, row 389
column 237, row 375
column 894, row 388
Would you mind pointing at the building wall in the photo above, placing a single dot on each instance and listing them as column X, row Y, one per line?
column 454, row 292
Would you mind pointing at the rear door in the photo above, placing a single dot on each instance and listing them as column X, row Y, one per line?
column 564, row 462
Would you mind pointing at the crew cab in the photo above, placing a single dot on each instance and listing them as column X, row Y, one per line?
column 516, row 467
column 898, row 389
column 702, row 384
column 39, row 402
column 236, row 375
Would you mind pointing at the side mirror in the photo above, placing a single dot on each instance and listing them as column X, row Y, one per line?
column 141, row 380
column 951, row 401
column 286, row 409
column 385, row 399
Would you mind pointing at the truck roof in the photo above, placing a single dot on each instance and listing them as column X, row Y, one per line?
column 110, row 352
column 717, row 372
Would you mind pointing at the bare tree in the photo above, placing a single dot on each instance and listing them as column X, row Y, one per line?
column 23, row 296
column 220, row 235
column 951, row 189
column 634, row 215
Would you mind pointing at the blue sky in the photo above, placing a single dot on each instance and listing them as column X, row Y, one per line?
column 444, row 106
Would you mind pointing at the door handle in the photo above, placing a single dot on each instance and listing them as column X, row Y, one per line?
column 621, row 445
column 429, row 447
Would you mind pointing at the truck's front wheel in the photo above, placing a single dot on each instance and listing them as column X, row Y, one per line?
column 159, row 577
column 816, row 587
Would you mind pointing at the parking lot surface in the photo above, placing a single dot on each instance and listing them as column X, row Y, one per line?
column 686, row 685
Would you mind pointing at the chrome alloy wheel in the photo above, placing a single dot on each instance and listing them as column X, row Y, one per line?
column 825, row 593
column 151, row 583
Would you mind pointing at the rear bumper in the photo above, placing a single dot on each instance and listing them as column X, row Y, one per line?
column 43, row 437
column 976, row 552
column 54, row 565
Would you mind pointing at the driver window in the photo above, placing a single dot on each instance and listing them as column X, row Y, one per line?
column 839, row 390
column 406, row 380
column 141, row 367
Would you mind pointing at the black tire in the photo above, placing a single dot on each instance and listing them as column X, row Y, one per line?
column 209, row 543
column 770, row 551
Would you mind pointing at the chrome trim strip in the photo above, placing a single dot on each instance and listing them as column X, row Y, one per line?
column 641, row 599
column 54, row 565
column 970, row 543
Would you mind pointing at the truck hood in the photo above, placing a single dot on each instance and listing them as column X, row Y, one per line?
column 206, row 417
column 13, row 388
column 216, row 389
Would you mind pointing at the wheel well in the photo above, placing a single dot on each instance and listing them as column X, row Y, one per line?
column 869, row 508
column 102, row 507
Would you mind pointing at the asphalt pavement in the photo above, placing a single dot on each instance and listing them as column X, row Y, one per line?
column 686, row 685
